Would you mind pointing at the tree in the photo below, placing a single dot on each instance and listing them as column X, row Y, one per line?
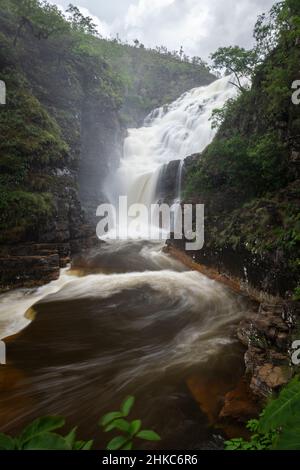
column 282, row 21
column 42, row 19
column 237, row 61
column 81, row 23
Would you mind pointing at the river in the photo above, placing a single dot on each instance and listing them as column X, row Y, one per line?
column 127, row 318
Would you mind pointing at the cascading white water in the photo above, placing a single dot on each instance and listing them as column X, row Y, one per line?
column 129, row 318
column 171, row 132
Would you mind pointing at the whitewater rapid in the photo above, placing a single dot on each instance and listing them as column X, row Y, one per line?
column 171, row 132
column 127, row 318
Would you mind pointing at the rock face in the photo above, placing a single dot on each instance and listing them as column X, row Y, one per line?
column 38, row 259
column 168, row 184
column 102, row 138
column 268, row 336
column 239, row 404
column 267, row 333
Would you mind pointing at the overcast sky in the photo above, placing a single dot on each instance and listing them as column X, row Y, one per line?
column 200, row 26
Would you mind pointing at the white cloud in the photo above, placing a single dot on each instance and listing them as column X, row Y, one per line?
column 200, row 26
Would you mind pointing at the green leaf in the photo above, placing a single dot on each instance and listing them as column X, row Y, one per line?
column 148, row 435
column 127, row 446
column 70, row 438
column 289, row 438
column 278, row 412
column 109, row 417
column 6, row 442
column 47, row 441
column 120, row 424
column 117, row 443
column 135, row 426
column 82, row 445
column 40, row 426
column 127, row 405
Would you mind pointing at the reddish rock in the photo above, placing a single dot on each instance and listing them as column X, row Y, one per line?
column 240, row 404
column 269, row 378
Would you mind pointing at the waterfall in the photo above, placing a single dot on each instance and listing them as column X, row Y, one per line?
column 170, row 133
column 128, row 318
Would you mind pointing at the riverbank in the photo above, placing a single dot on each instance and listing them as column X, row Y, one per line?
column 267, row 333
column 126, row 319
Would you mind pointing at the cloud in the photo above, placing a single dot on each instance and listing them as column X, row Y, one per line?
column 200, row 26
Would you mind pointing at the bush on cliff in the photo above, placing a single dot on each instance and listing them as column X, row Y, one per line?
column 278, row 427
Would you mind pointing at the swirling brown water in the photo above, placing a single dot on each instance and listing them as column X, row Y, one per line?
column 132, row 321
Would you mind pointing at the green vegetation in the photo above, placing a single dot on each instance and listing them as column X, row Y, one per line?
column 278, row 427
column 40, row 435
column 249, row 176
column 152, row 77
column 54, row 67
column 260, row 128
column 297, row 294
column 131, row 430
column 235, row 60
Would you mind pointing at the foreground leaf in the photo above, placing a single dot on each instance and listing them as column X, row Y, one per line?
column 40, row 426
column 148, row 435
column 120, row 424
column 47, row 441
column 82, row 445
column 6, row 442
column 117, row 443
column 70, row 438
column 127, row 405
column 289, row 438
column 278, row 412
column 109, row 417
column 135, row 426
column 128, row 446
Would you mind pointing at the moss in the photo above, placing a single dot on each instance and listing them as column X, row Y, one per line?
column 22, row 211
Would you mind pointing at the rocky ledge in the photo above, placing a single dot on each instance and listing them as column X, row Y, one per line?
column 267, row 333
column 268, row 336
column 34, row 264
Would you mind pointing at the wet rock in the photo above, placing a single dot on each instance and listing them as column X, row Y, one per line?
column 26, row 270
column 239, row 404
column 269, row 378
column 268, row 337
column 168, row 183
column 254, row 357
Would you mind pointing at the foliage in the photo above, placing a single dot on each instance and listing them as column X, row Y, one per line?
column 55, row 65
column 247, row 177
column 131, row 430
column 41, row 18
column 80, row 22
column 237, row 61
column 40, row 435
column 151, row 77
column 296, row 296
column 220, row 114
column 252, row 166
column 23, row 211
column 279, row 425
column 258, row 440
column 281, row 21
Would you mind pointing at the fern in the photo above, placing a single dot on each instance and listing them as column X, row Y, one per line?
column 279, row 425
column 285, row 409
